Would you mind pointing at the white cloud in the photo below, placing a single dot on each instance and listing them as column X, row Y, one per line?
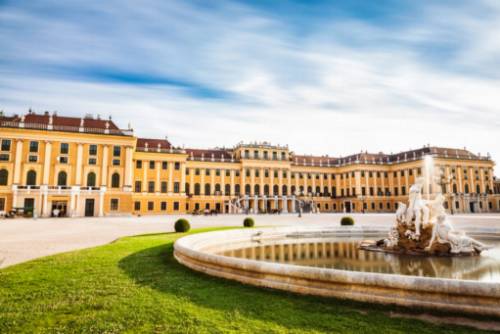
column 317, row 92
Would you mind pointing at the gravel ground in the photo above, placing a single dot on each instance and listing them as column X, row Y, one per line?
column 25, row 239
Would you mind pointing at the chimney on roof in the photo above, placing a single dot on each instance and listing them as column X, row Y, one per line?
column 46, row 113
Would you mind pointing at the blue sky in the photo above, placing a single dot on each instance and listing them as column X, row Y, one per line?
column 325, row 77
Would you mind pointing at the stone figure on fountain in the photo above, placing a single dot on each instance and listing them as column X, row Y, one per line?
column 422, row 228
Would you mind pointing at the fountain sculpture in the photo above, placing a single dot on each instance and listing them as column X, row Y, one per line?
column 423, row 228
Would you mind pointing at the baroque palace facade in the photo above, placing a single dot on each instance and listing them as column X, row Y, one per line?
column 67, row 166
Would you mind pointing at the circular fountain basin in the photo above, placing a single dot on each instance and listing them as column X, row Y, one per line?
column 327, row 262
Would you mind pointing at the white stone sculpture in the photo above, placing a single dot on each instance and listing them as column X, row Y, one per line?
column 427, row 216
column 417, row 206
column 443, row 232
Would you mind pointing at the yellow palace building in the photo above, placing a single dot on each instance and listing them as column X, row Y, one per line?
column 52, row 165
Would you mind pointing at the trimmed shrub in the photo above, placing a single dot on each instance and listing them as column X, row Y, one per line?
column 248, row 222
column 347, row 221
column 182, row 225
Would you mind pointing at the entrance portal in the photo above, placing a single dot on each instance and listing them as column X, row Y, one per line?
column 89, row 207
column 59, row 209
column 347, row 206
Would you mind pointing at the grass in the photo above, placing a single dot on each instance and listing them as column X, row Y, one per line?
column 134, row 285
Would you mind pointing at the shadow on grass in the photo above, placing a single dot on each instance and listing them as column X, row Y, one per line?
column 157, row 268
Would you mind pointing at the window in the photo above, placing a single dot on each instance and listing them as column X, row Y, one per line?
column 138, row 186
column 197, row 189
column 187, row 171
column 33, row 147
column 163, row 186
column 207, row 189
column 396, row 191
column 116, row 162
column 91, row 179
column 228, row 172
column 117, row 151
column 151, row 186
column 6, row 145
column 92, row 161
column 138, row 164
column 92, row 149
column 64, row 149
column 266, row 173
column 137, row 206
column 237, row 173
column 33, row 158
column 266, row 155
column 257, row 173
column 176, row 206
column 247, row 172
column 31, row 178
column 237, row 189
column 115, row 180
column 63, row 160
column 164, row 165
column 163, row 206
column 62, row 179
column 177, row 187
column 227, row 189
column 207, row 172
column 2, row 204
column 114, row 204
column 4, row 177
column 177, row 165
column 4, row 157
column 151, row 165
column 151, row 206
column 187, row 189
column 217, row 172
column 196, row 171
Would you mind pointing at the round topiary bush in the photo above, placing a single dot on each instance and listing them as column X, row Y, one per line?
column 248, row 222
column 347, row 221
column 182, row 225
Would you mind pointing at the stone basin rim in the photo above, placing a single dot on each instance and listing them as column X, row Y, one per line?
column 444, row 293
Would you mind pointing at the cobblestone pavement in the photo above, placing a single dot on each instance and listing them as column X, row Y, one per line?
column 25, row 239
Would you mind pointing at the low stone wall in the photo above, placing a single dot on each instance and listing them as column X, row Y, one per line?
column 198, row 253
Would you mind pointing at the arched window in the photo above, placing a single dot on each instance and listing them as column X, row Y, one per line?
column 455, row 189
column 466, row 188
column 115, row 180
column 284, row 190
column 4, row 177
column 247, row 189
column 227, row 189
column 186, row 187
column 62, row 178
column 334, row 192
column 91, row 179
column 276, row 190
column 207, row 188
column 478, row 189
column 266, row 189
column 293, row 190
column 237, row 189
column 325, row 192
column 31, row 178
column 309, row 190
column 217, row 187
column 318, row 191
column 256, row 189
column 197, row 189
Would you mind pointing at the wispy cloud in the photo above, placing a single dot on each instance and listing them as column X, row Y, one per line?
column 322, row 77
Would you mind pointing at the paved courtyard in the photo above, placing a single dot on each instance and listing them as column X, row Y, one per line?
column 25, row 239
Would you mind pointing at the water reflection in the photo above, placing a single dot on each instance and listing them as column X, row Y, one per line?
column 345, row 255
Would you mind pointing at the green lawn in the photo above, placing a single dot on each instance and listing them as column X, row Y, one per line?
column 135, row 285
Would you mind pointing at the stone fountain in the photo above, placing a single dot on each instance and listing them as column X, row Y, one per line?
column 422, row 226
